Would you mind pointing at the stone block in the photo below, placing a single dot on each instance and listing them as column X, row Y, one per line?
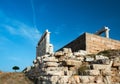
column 58, row 54
column 55, row 73
column 88, row 59
column 116, row 64
column 50, row 59
column 52, row 69
column 101, row 67
column 99, row 57
column 93, row 72
column 51, row 64
column 63, row 80
column 67, row 50
column 72, row 63
column 83, row 52
column 77, row 54
column 81, row 58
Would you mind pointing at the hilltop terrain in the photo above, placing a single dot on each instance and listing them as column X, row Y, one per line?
column 14, row 78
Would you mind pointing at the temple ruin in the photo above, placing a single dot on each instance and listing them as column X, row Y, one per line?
column 93, row 43
column 44, row 46
column 73, row 64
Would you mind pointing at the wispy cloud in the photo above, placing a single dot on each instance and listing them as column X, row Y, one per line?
column 15, row 27
column 59, row 28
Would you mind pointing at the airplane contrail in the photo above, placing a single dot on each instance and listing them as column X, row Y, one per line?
column 34, row 15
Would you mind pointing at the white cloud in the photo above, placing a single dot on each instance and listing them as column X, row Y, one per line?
column 15, row 27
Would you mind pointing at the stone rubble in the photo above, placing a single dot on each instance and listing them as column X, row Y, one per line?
column 67, row 67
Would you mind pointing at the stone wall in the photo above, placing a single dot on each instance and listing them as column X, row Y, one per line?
column 92, row 43
column 77, row 44
column 96, row 43
column 67, row 67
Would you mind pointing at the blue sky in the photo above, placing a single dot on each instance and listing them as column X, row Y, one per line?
column 23, row 21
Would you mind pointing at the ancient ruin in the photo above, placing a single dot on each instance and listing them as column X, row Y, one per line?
column 44, row 45
column 73, row 64
column 93, row 43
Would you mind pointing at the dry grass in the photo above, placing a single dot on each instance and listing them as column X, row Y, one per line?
column 14, row 78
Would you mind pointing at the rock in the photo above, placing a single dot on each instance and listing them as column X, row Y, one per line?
column 51, row 69
column 59, row 53
column 83, row 52
column 72, row 63
column 99, row 80
column 116, row 61
column 81, row 58
column 55, row 73
column 50, row 59
column 101, row 67
column 88, row 59
column 99, row 57
column 84, row 79
column 93, row 72
column 63, row 80
column 77, row 54
column 67, row 50
column 35, row 61
column 51, row 64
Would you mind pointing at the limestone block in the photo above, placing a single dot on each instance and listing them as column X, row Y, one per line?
column 51, row 64
column 54, row 79
column 50, row 59
column 93, row 72
column 99, row 80
column 116, row 64
column 58, row 54
column 72, row 63
column 88, row 59
column 84, row 79
column 77, row 54
column 68, row 54
column 101, row 67
column 83, row 52
column 67, row 50
column 77, row 79
column 80, row 58
column 116, row 61
column 70, row 73
column 63, row 68
column 63, row 80
column 99, row 57
column 106, row 72
column 55, row 73
column 52, row 69
column 72, row 68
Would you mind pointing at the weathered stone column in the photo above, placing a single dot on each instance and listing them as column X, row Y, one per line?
column 107, row 32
